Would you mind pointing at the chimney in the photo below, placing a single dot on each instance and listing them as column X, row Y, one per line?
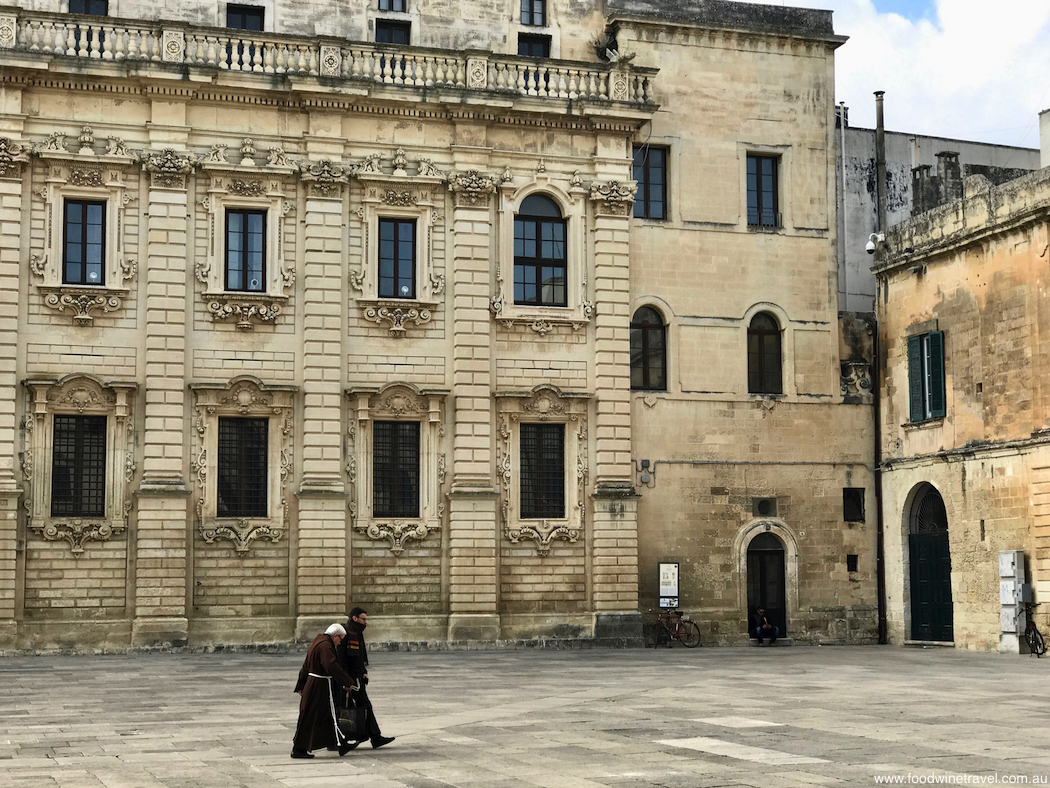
column 923, row 190
column 949, row 177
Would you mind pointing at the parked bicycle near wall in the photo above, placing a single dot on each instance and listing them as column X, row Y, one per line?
column 672, row 625
column 1032, row 636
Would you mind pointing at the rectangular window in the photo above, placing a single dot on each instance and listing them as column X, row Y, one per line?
column 539, row 261
column 84, row 245
column 78, row 467
column 852, row 562
column 89, row 7
column 542, row 471
column 392, row 5
column 246, row 250
column 397, row 258
column 650, row 171
column 534, row 46
column 853, row 504
column 243, row 465
column 395, row 469
column 245, row 17
column 762, row 198
column 388, row 32
column 926, row 376
column 534, row 12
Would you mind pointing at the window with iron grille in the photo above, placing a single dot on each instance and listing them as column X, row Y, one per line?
column 762, row 188
column 534, row 12
column 388, row 32
column 764, row 370
column 395, row 469
column 78, row 467
column 243, row 467
column 539, row 253
column 648, row 351
column 650, row 172
column 246, row 250
column 392, row 5
column 542, row 471
column 853, row 504
column 84, row 243
column 397, row 258
column 245, row 17
column 89, row 7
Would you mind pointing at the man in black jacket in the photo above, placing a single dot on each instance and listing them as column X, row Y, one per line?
column 353, row 657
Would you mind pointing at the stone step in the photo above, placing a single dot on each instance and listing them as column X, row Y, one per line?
column 780, row 642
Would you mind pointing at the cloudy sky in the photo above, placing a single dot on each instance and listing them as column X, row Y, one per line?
column 966, row 69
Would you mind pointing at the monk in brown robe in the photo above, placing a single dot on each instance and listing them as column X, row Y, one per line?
column 321, row 681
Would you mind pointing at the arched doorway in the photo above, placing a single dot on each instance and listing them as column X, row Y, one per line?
column 766, row 586
column 931, row 568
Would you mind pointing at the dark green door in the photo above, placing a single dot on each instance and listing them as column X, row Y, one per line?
column 931, row 569
column 766, row 587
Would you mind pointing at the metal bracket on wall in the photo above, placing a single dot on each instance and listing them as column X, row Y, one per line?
column 645, row 471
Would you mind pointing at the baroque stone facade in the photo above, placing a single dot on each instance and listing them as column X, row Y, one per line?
column 288, row 316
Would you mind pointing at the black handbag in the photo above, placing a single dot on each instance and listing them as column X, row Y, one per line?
column 352, row 719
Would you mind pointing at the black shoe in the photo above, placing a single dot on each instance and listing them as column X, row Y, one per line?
column 345, row 748
column 297, row 753
column 381, row 741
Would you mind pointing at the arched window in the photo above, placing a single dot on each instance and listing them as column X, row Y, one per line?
column 539, row 253
column 648, row 351
column 763, row 356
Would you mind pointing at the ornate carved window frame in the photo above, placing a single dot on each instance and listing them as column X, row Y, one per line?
column 245, row 186
column 244, row 396
column 550, row 405
column 83, row 176
column 573, row 205
column 396, row 402
column 78, row 394
column 399, row 196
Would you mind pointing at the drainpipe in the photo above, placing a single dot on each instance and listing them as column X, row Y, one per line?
column 845, row 222
column 880, row 547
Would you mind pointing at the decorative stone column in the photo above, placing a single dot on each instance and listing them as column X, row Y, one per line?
column 162, row 536
column 473, row 528
column 614, row 536
column 12, row 154
column 322, row 534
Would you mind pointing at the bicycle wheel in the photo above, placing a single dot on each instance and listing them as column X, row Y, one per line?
column 689, row 634
column 1036, row 645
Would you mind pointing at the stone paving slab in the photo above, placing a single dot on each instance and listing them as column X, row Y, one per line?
column 803, row 717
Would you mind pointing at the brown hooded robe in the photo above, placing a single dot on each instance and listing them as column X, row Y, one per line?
column 317, row 726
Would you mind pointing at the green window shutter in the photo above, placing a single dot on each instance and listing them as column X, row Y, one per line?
column 937, row 397
column 915, row 377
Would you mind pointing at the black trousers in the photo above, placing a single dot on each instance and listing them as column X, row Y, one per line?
column 361, row 697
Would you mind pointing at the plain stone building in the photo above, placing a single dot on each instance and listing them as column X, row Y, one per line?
column 469, row 313
column 965, row 419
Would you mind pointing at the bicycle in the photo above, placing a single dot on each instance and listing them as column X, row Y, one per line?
column 1032, row 636
column 670, row 625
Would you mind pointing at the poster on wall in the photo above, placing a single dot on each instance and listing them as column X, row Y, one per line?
column 668, row 584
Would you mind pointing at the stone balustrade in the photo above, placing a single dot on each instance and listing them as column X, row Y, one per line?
column 110, row 39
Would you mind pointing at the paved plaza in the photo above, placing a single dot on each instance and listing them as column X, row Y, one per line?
column 796, row 716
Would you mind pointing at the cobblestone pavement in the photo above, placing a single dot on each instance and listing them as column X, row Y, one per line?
column 800, row 716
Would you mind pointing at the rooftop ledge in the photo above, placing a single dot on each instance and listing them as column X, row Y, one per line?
column 329, row 60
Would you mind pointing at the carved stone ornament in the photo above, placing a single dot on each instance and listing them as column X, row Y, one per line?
column 855, row 380
column 87, row 141
column 243, row 396
column 83, row 303
column 396, row 532
column 396, row 316
column 88, row 178
column 471, row 186
column 400, row 198
column 243, row 309
column 277, row 158
column 247, row 188
column 400, row 162
column 370, row 165
column 115, row 146
column 168, row 168
column 79, row 394
column 544, row 404
column 326, row 178
column 8, row 31
column 426, row 169
column 54, row 142
column 614, row 198
column 217, row 155
column 12, row 154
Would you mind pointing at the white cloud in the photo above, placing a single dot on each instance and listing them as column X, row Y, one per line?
column 975, row 70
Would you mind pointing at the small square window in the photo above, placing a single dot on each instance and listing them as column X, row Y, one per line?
column 246, row 250
column 853, row 504
column 762, row 191
column 78, row 467
column 89, row 7
column 245, row 17
column 534, row 46
column 852, row 562
column 243, row 458
column 650, row 172
column 542, row 471
column 84, row 243
column 388, row 32
column 534, row 13
column 393, row 5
